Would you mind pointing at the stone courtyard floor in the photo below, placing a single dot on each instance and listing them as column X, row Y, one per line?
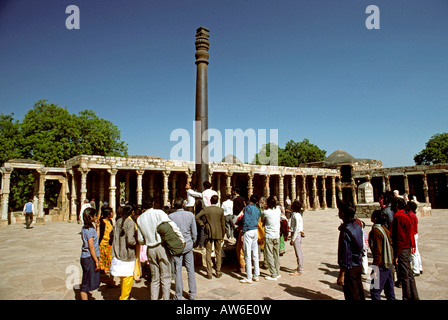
column 42, row 263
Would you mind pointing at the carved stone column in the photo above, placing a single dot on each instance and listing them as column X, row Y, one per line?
column 354, row 193
column 324, row 193
column 73, row 197
column 425, row 187
column 229, row 182
column 250, row 184
column 84, row 171
column 6, row 178
column 305, row 201
column 387, row 182
column 113, row 189
column 293, row 188
column 339, row 187
column 166, row 190
column 267, row 190
column 40, row 211
column 140, row 186
column 281, row 189
column 333, row 192
column 316, row 204
column 406, row 184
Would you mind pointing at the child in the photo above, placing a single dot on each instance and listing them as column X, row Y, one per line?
column 297, row 234
column 89, row 254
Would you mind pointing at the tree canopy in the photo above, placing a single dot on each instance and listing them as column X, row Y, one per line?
column 436, row 150
column 293, row 154
column 51, row 135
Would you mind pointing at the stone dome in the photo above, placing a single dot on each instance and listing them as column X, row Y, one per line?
column 339, row 156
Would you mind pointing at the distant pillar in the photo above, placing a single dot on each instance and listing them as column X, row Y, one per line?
column 333, row 192
column 201, row 119
column 324, row 193
column 229, row 182
column 113, row 189
column 40, row 211
column 281, row 189
column 293, row 187
column 250, row 184
column 425, row 187
column 314, row 193
column 166, row 190
column 6, row 177
column 139, row 186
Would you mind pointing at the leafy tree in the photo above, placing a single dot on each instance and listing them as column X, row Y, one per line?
column 9, row 138
column 296, row 153
column 51, row 135
column 293, row 154
column 436, row 150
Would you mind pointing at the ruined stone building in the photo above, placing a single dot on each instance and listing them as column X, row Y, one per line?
column 316, row 185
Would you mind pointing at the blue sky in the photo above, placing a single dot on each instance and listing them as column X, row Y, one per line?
column 310, row 69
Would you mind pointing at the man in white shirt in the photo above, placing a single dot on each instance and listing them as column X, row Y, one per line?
column 191, row 197
column 158, row 258
column 208, row 193
column 271, row 220
column 228, row 214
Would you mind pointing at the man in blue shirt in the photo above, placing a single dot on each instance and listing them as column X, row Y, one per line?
column 28, row 210
column 250, row 239
column 350, row 253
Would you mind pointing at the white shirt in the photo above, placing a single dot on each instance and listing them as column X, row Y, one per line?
column 296, row 225
column 147, row 225
column 83, row 207
column 207, row 195
column 228, row 207
column 191, row 194
column 271, row 219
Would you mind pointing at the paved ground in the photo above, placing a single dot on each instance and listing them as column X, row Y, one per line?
column 43, row 264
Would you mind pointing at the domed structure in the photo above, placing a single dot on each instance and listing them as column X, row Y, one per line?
column 230, row 158
column 339, row 156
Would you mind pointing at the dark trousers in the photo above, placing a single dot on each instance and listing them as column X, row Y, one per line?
column 384, row 282
column 406, row 276
column 28, row 219
column 353, row 289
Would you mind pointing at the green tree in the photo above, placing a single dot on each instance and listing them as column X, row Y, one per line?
column 296, row 153
column 51, row 135
column 9, row 138
column 436, row 150
column 293, row 154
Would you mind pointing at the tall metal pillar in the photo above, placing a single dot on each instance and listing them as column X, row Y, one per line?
column 201, row 119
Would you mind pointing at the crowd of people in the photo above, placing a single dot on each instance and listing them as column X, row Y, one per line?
column 162, row 240
column 393, row 243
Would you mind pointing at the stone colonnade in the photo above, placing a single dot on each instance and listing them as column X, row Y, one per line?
column 134, row 178
column 41, row 175
column 428, row 183
column 112, row 179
